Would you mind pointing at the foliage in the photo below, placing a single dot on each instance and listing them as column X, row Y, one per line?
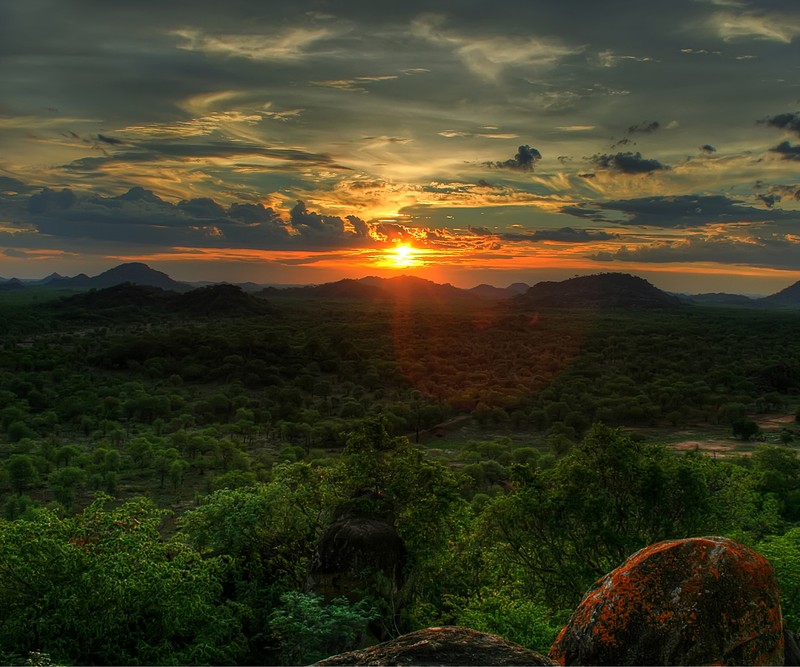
column 609, row 497
column 783, row 552
column 104, row 588
column 505, row 612
column 307, row 630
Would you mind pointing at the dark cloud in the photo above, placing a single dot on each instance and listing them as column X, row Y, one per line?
column 627, row 163
column 141, row 218
column 769, row 200
column 688, row 211
column 784, row 121
column 583, row 212
column 524, row 160
column 481, row 231
column 52, row 199
column 707, row 149
column 563, row 235
column 645, row 127
column 109, row 140
column 10, row 185
column 391, row 231
column 157, row 152
column 360, row 227
column 203, row 207
column 778, row 251
column 787, row 151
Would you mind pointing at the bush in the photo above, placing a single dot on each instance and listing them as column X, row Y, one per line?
column 308, row 630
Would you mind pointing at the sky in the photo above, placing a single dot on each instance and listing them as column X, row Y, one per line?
column 462, row 141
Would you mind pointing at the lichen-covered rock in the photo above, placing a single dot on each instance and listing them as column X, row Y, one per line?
column 450, row 645
column 699, row 601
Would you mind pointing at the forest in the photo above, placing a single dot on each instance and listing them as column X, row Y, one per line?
column 171, row 471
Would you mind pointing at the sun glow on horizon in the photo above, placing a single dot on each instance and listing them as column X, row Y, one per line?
column 403, row 256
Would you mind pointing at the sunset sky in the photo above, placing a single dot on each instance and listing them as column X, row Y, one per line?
column 462, row 141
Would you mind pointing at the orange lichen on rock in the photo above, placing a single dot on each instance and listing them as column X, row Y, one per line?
column 705, row 600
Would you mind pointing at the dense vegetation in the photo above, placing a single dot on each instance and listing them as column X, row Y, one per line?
column 167, row 471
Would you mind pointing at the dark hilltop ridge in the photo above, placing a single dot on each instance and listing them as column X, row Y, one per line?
column 605, row 290
column 135, row 273
column 128, row 299
column 602, row 290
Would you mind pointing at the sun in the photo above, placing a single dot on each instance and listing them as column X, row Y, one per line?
column 403, row 255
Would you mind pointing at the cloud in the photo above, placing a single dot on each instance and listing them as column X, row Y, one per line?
column 774, row 251
column 109, row 140
column 787, row 151
column 190, row 152
column 293, row 44
column 773, row 26
column 524, row 160
column 204, row 125
column 708, row 149
column 701, row 52
column 686, row 211
column 769, row 199
column 627, row 163
column 784, row 121
column 563, row 235
column 450, row 134
column 645, row 127
column 142, row 219
column 608, row 58
column 12, row 186
column 355, row 85
column 488, row 56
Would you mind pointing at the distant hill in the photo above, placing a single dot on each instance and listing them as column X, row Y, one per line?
column 411, row 288
column 373, row 288
column 604, row 290
column 124, row 295
column 134, row 273
column 341, row 289
column 141, row 301
column 485, row 291
column 222, row 299
column 12, row 284
column 786, row 298
column 718, row 299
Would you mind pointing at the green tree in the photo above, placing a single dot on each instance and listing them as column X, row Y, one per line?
column 744, row 429
column 307, row 630
column 21, row 471
column 104, row 588
column 562, row 528
column 66, row 483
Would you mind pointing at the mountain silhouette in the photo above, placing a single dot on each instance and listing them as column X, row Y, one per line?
column 135, row 273
column 604, row 290
column 789, row 297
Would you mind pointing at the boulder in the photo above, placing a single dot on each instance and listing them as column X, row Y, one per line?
column 681, row 602
column 442, row 646
column 355, row 552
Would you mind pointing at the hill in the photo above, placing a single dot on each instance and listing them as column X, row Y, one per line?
column 786, row 298
column 222, row 299
column 134, row 273
column 604, row 290
column 499, row 293
column 373, row 288
column 142, row 301
column 718, row 299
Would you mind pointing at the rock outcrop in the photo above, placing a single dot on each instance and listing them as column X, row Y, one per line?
column 354, row 552
column 696, row 601
column 442, row 646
